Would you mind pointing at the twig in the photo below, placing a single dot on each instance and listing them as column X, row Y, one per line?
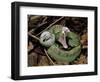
column 33, row 36
column 45, row 18
column 41, row 24
column 31, row 31
column 48, row 57
column 37, row 27
column 50, row 25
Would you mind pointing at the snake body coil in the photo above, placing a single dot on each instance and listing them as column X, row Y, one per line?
column 52, row 41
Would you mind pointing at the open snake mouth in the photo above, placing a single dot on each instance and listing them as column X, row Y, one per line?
column 62, row 38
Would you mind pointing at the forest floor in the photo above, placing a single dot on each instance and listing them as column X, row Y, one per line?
column 36, row 24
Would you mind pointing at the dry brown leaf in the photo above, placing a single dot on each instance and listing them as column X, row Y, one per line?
column 32, row 59
column 30, row 46
column 43, row 61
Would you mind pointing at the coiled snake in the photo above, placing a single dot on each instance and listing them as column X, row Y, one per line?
column 61, row 43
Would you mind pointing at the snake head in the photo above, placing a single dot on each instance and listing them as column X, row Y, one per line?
column 62, row 38
column 47, row 39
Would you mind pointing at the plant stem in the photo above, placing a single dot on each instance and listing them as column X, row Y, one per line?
column 33, row 36
column 48, row 57
column 32, row 30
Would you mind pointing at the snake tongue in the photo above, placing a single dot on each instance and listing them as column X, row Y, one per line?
column 62, row 40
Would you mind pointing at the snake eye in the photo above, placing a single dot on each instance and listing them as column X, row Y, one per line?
column 47, row 39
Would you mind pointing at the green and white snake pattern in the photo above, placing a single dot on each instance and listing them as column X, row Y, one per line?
column 50, row 39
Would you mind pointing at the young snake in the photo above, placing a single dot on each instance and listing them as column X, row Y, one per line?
column 58, row 37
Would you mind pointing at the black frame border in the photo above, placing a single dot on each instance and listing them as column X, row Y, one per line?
column 15, row 40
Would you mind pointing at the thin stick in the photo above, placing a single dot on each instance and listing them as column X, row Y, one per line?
column 45, row 19
column 50, row 25
column 33, row 36
column 49, row 57
column 32, row 30
column 41, row 24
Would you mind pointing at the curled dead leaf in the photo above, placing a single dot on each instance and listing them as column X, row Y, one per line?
column 84, row 39
column 30, row 46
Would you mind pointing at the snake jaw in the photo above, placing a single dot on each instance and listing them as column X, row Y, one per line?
column 62, row 38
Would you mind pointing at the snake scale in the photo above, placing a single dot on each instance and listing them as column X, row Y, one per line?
column 61, row 43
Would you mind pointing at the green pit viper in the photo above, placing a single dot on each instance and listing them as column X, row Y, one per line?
column 61, row 43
